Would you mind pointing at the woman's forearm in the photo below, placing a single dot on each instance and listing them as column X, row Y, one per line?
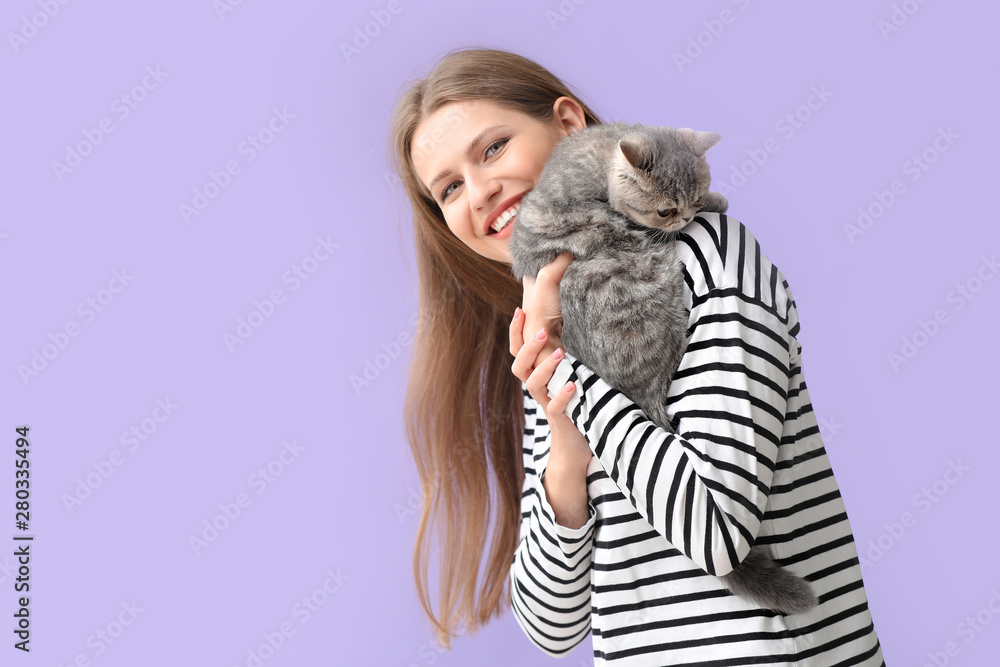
column 566, row 490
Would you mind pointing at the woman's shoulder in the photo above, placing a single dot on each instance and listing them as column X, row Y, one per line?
column 720, row 253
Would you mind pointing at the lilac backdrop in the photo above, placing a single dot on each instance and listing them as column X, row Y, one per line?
column 187, row 314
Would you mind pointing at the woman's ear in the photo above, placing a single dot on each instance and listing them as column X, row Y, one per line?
column 569, row 114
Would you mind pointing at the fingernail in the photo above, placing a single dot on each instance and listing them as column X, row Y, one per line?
column 540, row 335
column 569, row 386
column 557, row 354
column 517, row 313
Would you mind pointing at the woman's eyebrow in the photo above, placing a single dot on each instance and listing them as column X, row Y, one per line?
column 468, row 153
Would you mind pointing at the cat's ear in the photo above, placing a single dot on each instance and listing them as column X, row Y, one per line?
column 699, row 141
column 638, row 153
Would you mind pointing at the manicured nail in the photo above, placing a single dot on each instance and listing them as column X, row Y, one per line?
column 569, row 386
column 517, row 313
column 540, row 335
column 557, row 354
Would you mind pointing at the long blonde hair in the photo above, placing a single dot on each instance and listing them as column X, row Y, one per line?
column 464, row 411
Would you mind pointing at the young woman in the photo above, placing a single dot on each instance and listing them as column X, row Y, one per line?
column 604, row 522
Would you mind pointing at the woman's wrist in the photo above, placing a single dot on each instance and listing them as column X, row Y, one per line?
column 566, row 490
column 565, row 468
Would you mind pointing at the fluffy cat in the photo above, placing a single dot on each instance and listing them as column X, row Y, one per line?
column 615, row 195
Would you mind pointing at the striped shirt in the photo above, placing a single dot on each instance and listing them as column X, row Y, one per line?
column 670, row 513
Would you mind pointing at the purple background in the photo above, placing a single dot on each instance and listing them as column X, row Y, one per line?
column 342, row 503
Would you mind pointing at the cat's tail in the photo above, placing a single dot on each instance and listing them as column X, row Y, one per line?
column 759, row 579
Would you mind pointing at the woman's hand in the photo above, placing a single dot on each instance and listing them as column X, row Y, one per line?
column 534, row 365
column 540, row 306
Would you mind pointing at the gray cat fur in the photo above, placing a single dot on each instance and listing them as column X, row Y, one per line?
column 622, row 295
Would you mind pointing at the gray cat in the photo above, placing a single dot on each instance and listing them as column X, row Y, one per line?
column 615, row 195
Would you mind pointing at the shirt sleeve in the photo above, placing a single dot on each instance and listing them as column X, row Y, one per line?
column 550, row 572
column 705, row 487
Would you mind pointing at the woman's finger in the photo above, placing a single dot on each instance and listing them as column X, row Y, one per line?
column 554, row 270
column 516, row 332
column 541, row 294
column 538, row 380
column 524, row 360
column 557, row 404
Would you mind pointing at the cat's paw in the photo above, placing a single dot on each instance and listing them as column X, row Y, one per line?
column 715, row 203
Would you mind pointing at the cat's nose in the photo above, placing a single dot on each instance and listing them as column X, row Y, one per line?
column 687, row 219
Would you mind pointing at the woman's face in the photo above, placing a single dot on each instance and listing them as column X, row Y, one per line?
column 478, row 159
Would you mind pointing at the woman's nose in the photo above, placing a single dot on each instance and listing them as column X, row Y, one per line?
column 481, row 190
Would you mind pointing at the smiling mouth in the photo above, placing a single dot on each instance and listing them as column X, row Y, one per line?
column 504, row 219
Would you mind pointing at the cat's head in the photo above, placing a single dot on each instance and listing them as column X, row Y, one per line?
column 659, row 175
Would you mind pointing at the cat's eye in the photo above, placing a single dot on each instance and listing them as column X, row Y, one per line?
column 667, row 213
column 445, row 192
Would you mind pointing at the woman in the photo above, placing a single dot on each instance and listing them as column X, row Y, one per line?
column 606, row 523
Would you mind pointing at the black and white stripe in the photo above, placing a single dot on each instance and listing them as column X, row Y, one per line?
column 669, row 512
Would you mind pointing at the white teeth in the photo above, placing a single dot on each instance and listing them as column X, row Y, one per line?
column 505, row 217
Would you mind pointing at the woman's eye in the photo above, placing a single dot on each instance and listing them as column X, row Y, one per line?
column 445, row 192
column 498, row 141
